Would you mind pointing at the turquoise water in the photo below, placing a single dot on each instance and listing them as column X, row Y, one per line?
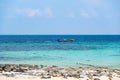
column 45, row 50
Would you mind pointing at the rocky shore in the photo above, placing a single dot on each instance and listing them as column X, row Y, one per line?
column 49, row 72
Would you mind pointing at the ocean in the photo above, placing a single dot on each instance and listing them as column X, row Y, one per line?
column 96, row 50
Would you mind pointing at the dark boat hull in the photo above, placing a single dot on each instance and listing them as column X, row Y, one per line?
column 71, row 40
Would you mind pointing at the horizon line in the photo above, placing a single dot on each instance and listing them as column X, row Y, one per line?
column 59, row 34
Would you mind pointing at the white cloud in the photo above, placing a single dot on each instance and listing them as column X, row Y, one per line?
column 46, row 12
column 28, row 12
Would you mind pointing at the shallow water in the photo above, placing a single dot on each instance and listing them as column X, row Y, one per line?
column 85, row 50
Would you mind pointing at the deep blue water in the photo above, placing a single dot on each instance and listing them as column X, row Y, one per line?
column 49, row 42
column 101, row 50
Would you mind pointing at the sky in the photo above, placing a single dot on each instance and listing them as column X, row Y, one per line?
column 59, row 17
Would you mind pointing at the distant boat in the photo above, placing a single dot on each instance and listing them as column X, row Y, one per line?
column 65, row 40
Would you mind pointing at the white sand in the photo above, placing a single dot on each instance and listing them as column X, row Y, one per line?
column 53, row 78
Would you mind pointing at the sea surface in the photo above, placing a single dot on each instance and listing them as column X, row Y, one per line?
column 96, row 50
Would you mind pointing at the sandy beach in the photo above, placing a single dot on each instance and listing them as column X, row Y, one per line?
column 41, row 72
column 56, row 78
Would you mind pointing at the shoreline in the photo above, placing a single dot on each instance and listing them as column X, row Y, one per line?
column 41, row 72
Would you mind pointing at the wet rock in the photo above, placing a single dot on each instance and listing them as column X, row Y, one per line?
column 8, row 67
column 42, row 66
column 96, row 79
column 54, row 66
column 1, row 67
column 55, row 71
column 25, row 67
